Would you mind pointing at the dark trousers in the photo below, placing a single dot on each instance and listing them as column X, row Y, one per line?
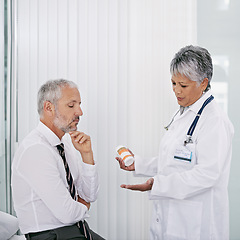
column 63, row 233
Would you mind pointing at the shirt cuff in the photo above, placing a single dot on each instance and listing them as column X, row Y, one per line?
column 89, row 169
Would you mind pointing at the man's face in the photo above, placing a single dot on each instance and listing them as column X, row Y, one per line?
column 68, row 110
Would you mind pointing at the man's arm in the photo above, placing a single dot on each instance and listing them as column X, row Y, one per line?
column 41, row 172
column 87, row 183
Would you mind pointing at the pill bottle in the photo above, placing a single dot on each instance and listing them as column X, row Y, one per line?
column 126, row 156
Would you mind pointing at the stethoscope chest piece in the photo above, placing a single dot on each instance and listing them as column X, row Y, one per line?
column 188, row 140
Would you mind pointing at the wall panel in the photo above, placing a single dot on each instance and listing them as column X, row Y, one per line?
column 118, row 52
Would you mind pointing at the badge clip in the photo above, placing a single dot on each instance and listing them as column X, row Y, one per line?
column 188, row 140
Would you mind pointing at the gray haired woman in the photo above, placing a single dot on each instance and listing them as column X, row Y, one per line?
column 190, row 176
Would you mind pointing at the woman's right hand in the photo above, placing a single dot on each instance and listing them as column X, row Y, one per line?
column 122, row 165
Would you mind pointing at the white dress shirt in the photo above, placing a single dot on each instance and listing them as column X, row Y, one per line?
column 40, row 189
column 191, row 197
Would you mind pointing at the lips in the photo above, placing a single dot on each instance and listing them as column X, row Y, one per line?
column 76, row 120
column 179, row 99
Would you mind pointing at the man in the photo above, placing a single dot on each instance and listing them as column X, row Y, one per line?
column 52, row 183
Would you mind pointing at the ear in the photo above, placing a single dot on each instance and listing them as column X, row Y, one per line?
column 204, row 84
column 49, row 108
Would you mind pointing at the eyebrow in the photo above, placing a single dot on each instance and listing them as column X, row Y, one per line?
column 179, row 82
column 74, row 101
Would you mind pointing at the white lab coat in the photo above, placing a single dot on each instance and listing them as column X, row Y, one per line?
column 191, row 197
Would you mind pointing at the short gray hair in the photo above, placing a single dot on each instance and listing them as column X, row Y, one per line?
column 194, row 62
column 52, row 91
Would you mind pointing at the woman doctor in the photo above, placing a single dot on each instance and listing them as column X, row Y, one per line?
column 190, row 176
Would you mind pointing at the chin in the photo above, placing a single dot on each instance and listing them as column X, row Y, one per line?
column 69, row 129
column 181, row 104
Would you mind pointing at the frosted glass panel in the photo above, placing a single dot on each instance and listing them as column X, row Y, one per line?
column 2, row 113
column 218, row 31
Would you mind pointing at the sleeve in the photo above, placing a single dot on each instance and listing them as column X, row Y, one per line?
column 213, row 151
column 86, row 175
column 88, row 182
column 42, row 174
column 146, row 167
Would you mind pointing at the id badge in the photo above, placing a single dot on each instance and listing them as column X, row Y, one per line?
column 182, row 153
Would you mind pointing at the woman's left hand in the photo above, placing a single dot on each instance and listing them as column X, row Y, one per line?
column 140, row 187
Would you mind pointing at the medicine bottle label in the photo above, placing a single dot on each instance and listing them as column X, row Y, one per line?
column 125, row 155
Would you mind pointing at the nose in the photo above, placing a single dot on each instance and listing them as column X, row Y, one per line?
column 177, row 89
column 79, row 111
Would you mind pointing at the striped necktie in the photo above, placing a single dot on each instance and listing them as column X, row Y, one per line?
column 69, row 178
column 72, row 189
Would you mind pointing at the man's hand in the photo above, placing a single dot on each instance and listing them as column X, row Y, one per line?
column 87, row 204
column 140, row 187
column 82, row 142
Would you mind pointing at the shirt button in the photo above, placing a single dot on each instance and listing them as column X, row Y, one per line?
column 157, row 220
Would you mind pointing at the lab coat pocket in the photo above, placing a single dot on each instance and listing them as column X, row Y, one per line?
column 184, row 157
column 184, row 219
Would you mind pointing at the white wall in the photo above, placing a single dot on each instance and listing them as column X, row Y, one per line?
column 118, row 52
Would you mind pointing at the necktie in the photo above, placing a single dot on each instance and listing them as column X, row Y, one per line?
column 72, row 189
column 69, row 178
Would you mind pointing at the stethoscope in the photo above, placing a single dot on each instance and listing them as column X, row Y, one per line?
column 194, row 123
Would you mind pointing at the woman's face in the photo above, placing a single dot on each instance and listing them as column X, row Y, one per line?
column 187, row 91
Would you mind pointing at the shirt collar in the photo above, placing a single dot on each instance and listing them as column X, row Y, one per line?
column 183, row 109
column 48, row 134
column 198, row 104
